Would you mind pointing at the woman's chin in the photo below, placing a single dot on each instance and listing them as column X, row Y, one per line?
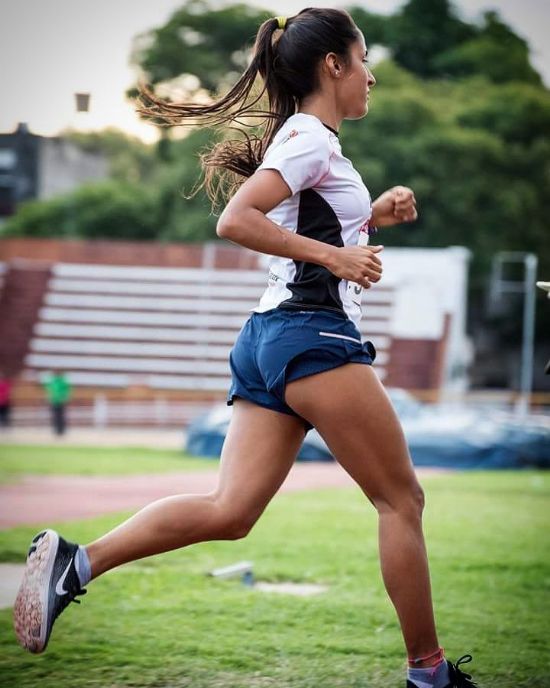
column 359, row 114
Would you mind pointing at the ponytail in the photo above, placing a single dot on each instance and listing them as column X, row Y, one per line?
column 285, row 57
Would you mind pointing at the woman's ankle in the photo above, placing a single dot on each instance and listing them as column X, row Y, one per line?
column 427, row 660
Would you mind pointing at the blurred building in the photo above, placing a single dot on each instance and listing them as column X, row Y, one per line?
column 34, row 166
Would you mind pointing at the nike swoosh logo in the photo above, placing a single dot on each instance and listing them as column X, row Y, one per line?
column 59, row 589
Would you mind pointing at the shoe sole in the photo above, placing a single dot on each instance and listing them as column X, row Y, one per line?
column 30, row 611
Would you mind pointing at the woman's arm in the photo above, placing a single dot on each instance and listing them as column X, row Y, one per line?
column 395, row 205
column 244, row 222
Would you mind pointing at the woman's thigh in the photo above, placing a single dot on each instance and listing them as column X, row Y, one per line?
column 259, row 450
column 351, row 410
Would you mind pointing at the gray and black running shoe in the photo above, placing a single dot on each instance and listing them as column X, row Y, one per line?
column 459, row 679
column 50, row 583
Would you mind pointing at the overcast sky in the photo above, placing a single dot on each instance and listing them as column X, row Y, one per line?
column 50, row 49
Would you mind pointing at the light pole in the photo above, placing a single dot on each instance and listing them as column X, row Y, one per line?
column 546, row 287
column 501, row 286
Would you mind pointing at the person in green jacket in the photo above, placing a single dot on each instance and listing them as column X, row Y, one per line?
column 58, row 390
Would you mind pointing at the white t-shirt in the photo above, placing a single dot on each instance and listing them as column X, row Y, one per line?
column 329, row 203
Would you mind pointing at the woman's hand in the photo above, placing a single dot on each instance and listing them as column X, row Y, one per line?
column 359, row 264
column 395, row 205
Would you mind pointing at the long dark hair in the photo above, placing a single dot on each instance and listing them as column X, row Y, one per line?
column 286, row 61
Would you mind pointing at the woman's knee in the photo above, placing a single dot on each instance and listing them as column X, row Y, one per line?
column 419, row 499
column 234, row 523
column 237, row 526
column 409, row 502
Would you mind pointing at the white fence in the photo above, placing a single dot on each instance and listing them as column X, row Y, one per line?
column 103, row 413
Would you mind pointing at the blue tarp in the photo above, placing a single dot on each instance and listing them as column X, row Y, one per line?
column 439, row 437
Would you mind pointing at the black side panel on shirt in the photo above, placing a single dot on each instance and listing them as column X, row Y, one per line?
column 314, row 286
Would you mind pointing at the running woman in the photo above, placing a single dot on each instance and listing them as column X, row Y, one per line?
column 299, row 361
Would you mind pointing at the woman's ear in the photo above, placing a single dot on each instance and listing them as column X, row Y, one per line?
column 333, row 66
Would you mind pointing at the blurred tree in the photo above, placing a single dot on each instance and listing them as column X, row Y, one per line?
column 518, row 113
column 107, row 210
column 476, row 154
column 422, row 30
column 183, row 215
column 206, row 44
column 375, row 27
column 428, row 38
column 496, row 52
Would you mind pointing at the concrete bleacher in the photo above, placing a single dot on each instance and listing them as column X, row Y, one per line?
column 114, row 326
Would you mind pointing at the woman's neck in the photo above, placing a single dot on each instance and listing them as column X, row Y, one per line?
column 326, row 112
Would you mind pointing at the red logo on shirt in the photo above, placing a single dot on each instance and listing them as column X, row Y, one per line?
column 292, row 134
column 365, row 226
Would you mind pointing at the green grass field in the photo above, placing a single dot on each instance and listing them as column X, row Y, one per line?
column 161, row 622
column 18, row 460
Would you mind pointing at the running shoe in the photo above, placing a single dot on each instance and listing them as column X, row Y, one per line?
column 50, row 583
column 459, row 679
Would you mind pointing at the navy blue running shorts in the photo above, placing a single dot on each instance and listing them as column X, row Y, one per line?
column 281, row 345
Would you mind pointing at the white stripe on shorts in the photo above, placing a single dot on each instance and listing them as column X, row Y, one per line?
column 340, row 336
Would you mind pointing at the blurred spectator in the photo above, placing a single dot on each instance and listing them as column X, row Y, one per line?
column 5, row 400
column 58, row 390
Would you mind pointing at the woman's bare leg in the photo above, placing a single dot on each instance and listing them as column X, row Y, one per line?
column 258, row 452
column 352, row 412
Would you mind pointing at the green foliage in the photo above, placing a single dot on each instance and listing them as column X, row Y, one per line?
column 202, row 41
column 184, row 215
column 373, row 26
column 163, row 622
column 423, row 29
column 476, row 154
column 427, row 38
column 517, row 113
column 104, row 210
column 497, row 53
